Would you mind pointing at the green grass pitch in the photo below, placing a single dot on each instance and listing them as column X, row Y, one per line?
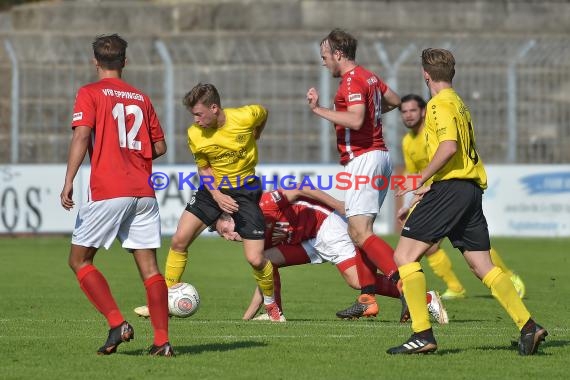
column 48, row 329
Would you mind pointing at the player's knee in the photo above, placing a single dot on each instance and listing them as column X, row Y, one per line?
column 179, row 243
column 257, row 262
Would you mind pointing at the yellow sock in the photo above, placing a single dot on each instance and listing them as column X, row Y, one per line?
column 496, row 259
column 175, row 265
column 441, row 266
column 264, row 278
column 414, row 288
column 504, row 291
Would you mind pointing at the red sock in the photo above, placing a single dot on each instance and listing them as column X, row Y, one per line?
column 277, row 287
column 386, row 287
column 381, row 254
column 157, row 300
column 365, row 269
column 97, row 291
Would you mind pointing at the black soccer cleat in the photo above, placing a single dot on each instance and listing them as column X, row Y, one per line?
column 529, row 342
column 122, row 333
column 164, row 350
column 417, row 344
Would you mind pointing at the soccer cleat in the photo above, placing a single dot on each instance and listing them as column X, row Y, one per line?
column 117, row 335
column 365, row 306
column 262, row 317
column 274, row 313
column 436, row 308
column 452, row 295
column 519, row 285
column 142, row 311
column 164, row 350
column 417, row 344
column 529, row 342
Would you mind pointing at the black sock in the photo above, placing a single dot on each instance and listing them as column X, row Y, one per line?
column 529, row 326
column 368, row 289
column 395, row 277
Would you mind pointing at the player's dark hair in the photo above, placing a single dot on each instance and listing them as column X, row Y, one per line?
column 204, row 93
column 439, row 64
column 110, row 51
column 413, row 97
column 343, row 42
column 223, row 216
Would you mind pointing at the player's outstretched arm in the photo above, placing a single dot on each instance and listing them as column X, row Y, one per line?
column 316, row 194
column 254, row 305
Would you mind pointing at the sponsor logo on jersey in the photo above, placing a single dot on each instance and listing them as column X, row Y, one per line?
column 276, row 196
column 354, row 97
column 77, row 116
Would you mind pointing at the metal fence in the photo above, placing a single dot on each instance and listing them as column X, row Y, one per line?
column 518, row 90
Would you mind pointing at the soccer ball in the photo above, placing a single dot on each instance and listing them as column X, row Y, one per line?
column 183, row 300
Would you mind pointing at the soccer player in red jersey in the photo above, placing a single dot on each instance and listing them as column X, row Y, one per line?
column 361, row 99
column 117, row 124
column 300, row 230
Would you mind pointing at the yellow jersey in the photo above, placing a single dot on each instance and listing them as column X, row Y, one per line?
column 414, row 151
column 448, row 118
column 230, row 150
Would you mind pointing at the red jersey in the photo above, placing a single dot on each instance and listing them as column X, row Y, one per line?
column 300, row 220
column 360, row 86
column 124, row 127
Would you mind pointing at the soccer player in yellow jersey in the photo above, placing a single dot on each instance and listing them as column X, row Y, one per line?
column 223, row 142
column 451, row 207
column 413, row 112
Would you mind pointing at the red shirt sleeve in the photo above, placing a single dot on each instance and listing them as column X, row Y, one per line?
column 156, row 132
column 84, row 109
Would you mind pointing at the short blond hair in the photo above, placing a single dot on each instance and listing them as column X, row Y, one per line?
column 439, row 64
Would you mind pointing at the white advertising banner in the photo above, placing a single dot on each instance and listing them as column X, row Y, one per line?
column 29, row 199
column 529, row 200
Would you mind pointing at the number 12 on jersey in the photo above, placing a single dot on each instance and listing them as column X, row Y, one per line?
column 120, row 113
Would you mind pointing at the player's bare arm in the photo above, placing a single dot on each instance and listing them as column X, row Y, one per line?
column 316, row 194
column 224, row 201
column 352, row 118
column 77, row 151
column 158, row 149
column 390, row 101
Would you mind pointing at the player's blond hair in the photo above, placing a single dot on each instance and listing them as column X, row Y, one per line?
column 439, row 64
column 204, row 93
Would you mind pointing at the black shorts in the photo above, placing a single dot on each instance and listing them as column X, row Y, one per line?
column 451, row 209
column 249, row 220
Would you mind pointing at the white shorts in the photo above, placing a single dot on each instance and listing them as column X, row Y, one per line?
column 332, row 243
column 134, row 221
column 367, row 199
